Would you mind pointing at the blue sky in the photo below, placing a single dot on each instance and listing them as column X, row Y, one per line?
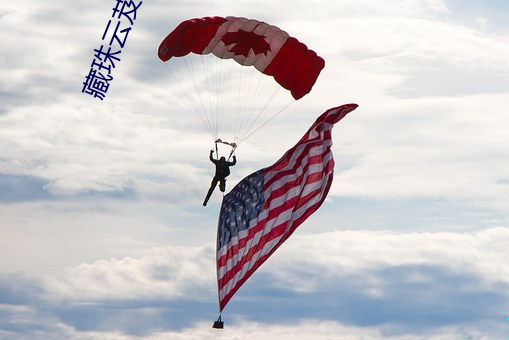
column 102, row 232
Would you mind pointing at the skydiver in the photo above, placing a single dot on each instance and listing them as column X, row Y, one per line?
column 222, row 171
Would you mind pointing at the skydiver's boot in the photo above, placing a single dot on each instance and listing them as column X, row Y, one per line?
column 209, row 193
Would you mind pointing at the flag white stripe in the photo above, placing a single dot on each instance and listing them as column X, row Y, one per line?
column 313, row 151
column 281, row 218
column 316, row 142
column 289, row 215
column 248, row 265
column 264, row 251
column 312, row 169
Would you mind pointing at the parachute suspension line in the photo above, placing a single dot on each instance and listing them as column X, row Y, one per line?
column 218, row 92
column 255, row 94
column 210, row 86
column 246, row 109
column 261, row 112
column 191, row 69
column 196, row 108
column 226, row 68
column 250, row 101
column 234, row 146
column 207, row 81
column 214, row 90
column 239, row 110
column 267, row 121
column 217, row 73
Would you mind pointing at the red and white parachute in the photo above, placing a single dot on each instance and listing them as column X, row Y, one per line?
column 227, row 95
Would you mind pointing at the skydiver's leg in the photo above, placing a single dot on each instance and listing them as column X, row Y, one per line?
column 211, row 189
column 222, row 184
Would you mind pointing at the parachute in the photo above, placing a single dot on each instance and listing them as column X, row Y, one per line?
column 266, row 50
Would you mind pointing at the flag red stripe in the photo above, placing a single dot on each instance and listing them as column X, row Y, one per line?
column 279, row 170
column 296, row 203
column 312, row 161
column 295, row 187
column 227, row 296
column 274, row 233
column 274, row 212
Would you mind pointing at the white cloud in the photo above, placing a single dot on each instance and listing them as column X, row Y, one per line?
column 307, row 263
column 162, row 273
column 449, row 147
column 437, row 274
column 115, row 213
column 44, row 237
column 339, row 253
column 387, row 50
column 317, row 329
column 308, row 329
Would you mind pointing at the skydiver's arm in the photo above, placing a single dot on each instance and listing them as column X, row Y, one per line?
column 210, row 156
column 234, row 161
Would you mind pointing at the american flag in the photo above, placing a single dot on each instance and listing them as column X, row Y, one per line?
column 266, row 207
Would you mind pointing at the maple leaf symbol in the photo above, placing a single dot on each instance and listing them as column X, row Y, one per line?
column 246, row 41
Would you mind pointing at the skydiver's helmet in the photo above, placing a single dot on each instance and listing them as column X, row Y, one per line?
column 222, row 159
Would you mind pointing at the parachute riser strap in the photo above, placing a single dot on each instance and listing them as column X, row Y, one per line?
column 268, row 121
column 233, row 145
column 232, row 152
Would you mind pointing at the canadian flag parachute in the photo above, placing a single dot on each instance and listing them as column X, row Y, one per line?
column 271, row 52
column 250, row 43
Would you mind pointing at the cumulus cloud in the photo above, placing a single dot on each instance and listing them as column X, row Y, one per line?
column 338, row 253
column 382, row 284
column 310, row 329
column 307, row 263
column 101, row 235
column 316, row 329
column 168, row 273
column 449, row 159
column 361, row 284
column 420, row 81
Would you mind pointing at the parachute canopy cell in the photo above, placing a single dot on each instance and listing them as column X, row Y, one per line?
column 250, row 43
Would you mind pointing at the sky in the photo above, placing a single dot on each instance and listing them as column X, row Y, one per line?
column 102, row 231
